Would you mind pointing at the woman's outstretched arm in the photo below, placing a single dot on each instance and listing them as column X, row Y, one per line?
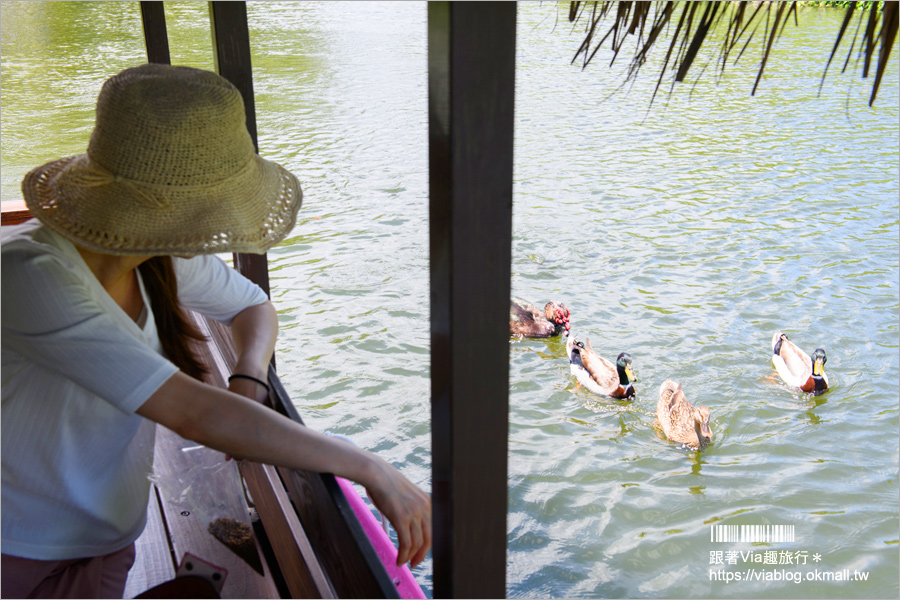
column 236, row 425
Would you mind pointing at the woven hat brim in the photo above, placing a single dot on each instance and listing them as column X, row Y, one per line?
column 248, row 215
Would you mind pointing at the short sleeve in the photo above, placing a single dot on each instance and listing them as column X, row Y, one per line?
column 210, row 287
column 53, row 316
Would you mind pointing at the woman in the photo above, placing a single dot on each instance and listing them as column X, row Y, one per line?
column 96, row 347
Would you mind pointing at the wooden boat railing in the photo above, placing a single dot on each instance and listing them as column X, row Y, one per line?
column 15, row 212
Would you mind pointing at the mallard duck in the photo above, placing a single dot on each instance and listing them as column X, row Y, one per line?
column 796, row 368
column 679, row 420
column 598, row 374
column 526, row 321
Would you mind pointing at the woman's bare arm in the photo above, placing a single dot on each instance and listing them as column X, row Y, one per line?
column 253, row 331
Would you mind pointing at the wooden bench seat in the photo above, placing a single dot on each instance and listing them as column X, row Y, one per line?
column 153, row 562
column 190, row 492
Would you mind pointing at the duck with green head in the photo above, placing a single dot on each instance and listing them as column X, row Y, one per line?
column 598, row 374
column 795, row 366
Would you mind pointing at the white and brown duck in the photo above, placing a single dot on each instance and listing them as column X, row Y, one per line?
column 680, row 420
column 598, row 374
column 526, row 321
column 796, row 367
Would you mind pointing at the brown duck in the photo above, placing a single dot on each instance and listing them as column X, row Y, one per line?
column 679, row 420
column 525, row 321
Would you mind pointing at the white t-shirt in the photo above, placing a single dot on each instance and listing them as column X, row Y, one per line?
column 75, row 456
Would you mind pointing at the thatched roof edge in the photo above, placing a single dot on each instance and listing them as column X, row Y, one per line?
column 695, row 20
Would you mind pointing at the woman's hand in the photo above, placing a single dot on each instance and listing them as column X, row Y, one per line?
column 406, row 506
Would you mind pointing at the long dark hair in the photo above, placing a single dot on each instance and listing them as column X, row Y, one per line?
column 177, row 333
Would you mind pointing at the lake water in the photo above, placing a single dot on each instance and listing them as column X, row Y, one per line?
column 686, row 235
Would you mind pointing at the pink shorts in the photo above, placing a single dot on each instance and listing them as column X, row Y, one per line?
column 98, row 577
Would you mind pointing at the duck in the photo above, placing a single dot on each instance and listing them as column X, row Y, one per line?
column 681, row 421
column 598, row 374
column 525, row 321
column 796, row 368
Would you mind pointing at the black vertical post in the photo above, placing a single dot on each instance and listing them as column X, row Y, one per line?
column 231, row 52
column 153, row 17
column 471, row 77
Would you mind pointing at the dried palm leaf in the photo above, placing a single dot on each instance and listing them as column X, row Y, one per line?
column 698, row 19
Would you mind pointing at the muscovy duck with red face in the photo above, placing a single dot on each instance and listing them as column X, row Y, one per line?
column 526, row 321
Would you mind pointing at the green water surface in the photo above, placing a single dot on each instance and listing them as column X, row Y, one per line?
column 686, row 235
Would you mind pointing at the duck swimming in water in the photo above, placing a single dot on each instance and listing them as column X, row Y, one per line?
column 679, row 420
column 796, row 368
column 598, row 374
column 525, row 321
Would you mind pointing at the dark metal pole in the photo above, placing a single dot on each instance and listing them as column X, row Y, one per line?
column 231, row 53
column 153, row 16
column 471, row 77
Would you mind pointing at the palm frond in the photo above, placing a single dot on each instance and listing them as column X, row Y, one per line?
column 697, row 19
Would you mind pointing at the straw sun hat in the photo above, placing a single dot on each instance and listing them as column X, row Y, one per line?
column 170, row 169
